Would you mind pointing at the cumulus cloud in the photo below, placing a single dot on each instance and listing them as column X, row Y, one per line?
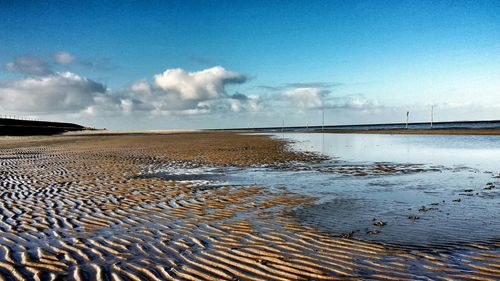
column 58, row 92
column 200, row 85
column 310, row 96
column 63, row 58
column 176, row 91
column 306, row 98
column 141, row 86
column 172, row 92
column 240, row 102
column 30, row 65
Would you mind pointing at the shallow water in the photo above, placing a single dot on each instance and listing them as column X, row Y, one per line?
column 452, row 200
column 440, row 181
column 453, row 150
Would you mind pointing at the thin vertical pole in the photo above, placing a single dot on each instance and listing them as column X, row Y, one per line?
column 323, row 120
column 407, row 117
column 282, row 128
column 432, row 116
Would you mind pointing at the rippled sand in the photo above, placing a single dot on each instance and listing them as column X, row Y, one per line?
column 72, row 207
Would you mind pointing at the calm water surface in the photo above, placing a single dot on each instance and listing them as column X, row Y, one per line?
column 473, row 151
column 454, row 203
column 449, row 185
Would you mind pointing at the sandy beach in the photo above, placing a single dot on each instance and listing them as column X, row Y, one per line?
column 75, row 208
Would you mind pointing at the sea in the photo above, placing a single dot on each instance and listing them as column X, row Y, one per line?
column 490, row 124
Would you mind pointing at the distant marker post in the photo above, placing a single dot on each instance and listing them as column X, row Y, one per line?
column 407, row 117
column 432, row 116
column 323, row 119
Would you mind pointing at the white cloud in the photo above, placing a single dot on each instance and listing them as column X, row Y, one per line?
column 59, row 92
column 176, row 91
column 352, row 102
column 63, row 58
column 173, row 92
column 308, row 96
column 141, row 86
column 240, row 102
column 200, row 85
column 305, row 98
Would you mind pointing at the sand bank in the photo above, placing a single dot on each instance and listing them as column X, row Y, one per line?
column 72, row 207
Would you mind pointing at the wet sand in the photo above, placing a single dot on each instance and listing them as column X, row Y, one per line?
column 73, row 207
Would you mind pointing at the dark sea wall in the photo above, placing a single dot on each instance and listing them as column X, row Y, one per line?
column 14, row 127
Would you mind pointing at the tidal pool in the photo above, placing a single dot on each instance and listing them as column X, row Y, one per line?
column 454, row 197
column 413, row 190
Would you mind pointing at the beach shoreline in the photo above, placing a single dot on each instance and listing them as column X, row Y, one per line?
column 75, row 207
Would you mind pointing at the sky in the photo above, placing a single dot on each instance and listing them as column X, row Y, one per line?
column 222, row 64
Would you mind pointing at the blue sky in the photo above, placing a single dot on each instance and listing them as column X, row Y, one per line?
column 364, row 61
